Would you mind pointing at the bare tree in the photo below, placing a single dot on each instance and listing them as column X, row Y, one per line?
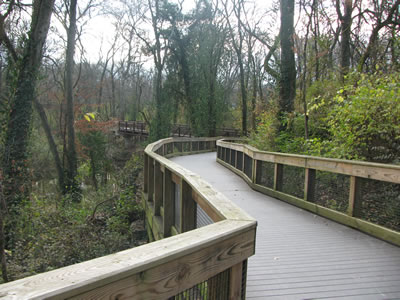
column 288, row 66
column 237, row 37
column 392, row 14
column 345, row 18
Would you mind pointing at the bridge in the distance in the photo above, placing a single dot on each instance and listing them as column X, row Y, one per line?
column 140, row 128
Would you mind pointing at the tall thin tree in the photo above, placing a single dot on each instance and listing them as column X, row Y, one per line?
column 288, row 65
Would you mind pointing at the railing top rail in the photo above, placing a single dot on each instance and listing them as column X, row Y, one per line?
column 371, row 170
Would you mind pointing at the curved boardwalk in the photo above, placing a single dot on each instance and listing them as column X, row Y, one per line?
column 300, row 255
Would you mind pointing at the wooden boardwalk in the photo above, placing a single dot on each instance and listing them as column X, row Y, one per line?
column 300, row 255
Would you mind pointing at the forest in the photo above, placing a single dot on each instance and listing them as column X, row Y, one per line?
column 309, row 77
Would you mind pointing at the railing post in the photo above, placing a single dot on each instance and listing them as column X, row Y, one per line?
column 354, row 209
column 309, row 185
column 278, row 177
column 243, row 161
column 236, row 161
column 168, row 203
column 253, row 170
column 146, row 173
column 188, row 208
column 151, row 179
column 235, row 282
column 158, row 188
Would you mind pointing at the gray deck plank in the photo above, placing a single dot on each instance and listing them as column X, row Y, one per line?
column 300, row 255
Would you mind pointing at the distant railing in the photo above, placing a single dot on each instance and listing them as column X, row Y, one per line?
column 203, row 242
column 361, row 195
column 178, row 130
column 133, row 127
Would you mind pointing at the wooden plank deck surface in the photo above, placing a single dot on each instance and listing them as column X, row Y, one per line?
column 300, row 255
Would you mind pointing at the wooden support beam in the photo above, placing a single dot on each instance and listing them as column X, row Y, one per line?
column 158, row 188
column 309, row 185
column 278, row 177
column 188, row 208
column 151, row 179
column 168, row 203
column 235, row 282
column 355, row 197
column 146, row 174
column 243, row 161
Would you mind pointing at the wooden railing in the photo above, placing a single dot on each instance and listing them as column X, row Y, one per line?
column 189, row 256
column 358, row 194
column 178, row 130
column 179, row 202
column 133, row 127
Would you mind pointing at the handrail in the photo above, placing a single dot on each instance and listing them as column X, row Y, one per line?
column 305, row 182
column 174, row 263
column 180, row 130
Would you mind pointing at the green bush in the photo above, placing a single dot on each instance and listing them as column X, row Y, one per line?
column 365, row 120
column 267, row 129
column 50, row 233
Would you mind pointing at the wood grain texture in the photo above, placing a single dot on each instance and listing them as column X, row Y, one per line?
column 178, row 275
column 87, row 276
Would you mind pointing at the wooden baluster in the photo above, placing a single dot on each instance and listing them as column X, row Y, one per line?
column 236, row 159
column 212, row 289
column 235, row 282
column 243, row 161
column 253, row 170
column 355, row 197
column 168, row 203
column 188, row 208
column 309, row 185
column 151, row 179
column 146, row 173
column 158, row 188
column 278, row 177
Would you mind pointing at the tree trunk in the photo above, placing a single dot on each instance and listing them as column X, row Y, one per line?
column 52, row 144
column 346, row 21
column 69, row 69
column 243, row 93
column 3, row 209
column 15, row 154
column 254, row 98
column 288, row 66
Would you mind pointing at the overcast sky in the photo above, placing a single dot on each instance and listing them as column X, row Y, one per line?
column 99, row 31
